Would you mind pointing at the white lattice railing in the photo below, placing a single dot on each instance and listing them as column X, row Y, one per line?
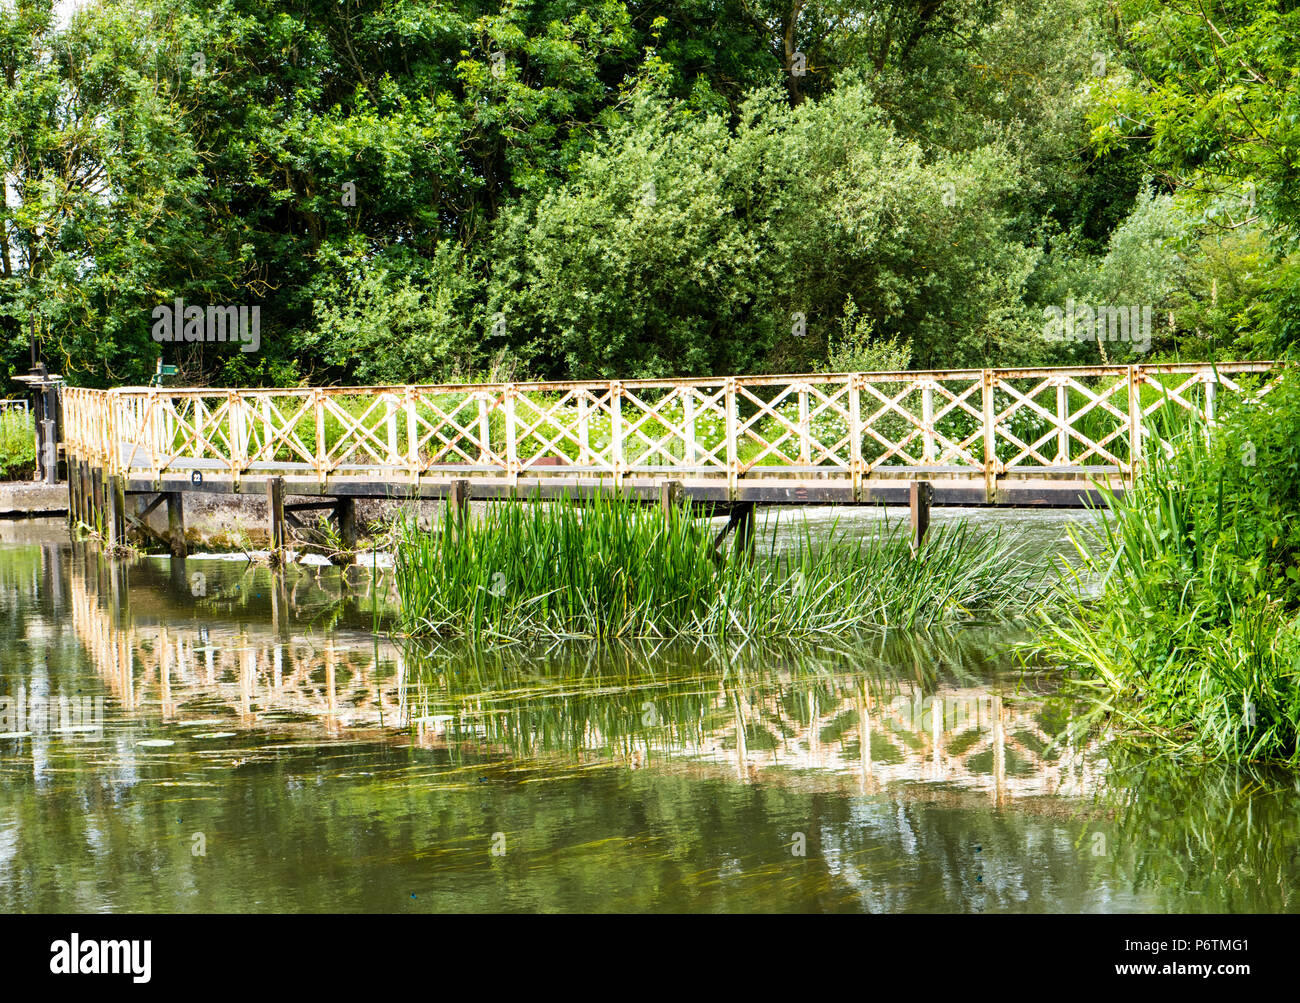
column 828, row 427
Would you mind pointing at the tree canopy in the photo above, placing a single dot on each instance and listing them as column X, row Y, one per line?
column 414, row 191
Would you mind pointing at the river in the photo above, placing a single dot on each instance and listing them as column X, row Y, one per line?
column 209, row 736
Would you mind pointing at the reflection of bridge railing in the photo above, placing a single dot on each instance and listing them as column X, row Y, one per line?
column 813, row 719
column 957, row 736
column 776, row 712
column 252, row 676
column 824, row 437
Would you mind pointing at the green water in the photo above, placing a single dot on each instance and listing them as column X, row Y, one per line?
column 295, row 759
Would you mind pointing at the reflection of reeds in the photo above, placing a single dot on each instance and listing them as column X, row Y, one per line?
column 612, row 568
column 1224, row 834
column 883, row 709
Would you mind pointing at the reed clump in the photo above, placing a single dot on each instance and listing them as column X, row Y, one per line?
column 611, row 568
column 1183, row 620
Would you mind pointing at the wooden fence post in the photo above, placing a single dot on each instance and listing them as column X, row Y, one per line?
column 1134, row 421
column 927, row 419
column 733, row 460
column 275, row 513
column 920, row 494
column 345, row 513
column 990, row 440
column 670, row 496
column 458, row 502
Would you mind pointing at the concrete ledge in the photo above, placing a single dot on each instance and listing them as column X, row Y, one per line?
column 20, row 499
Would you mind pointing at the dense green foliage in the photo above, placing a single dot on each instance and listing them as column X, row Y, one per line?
column 1210, row 95
column 17, row 445
column 415, row 191
column 613, row 568
column 1194, row 633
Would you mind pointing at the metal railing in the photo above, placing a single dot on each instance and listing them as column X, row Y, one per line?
column 846, row 427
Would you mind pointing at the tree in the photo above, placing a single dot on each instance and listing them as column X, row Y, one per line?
column 1212, row 104
column 685, row 247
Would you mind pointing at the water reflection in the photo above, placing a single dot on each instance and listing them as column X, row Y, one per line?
column 878, row 713
column 327, row 768
column 246, row 672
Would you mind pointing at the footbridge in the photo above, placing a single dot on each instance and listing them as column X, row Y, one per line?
column 1018, row 437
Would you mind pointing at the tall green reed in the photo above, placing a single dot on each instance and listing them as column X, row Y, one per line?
column 612, row 568
column 1182, row 617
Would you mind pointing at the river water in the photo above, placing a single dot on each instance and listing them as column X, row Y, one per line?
column 207, row 736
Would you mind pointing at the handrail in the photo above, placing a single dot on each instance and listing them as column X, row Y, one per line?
column 850, row 427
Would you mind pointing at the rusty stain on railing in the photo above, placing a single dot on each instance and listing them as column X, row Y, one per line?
column 850, row 428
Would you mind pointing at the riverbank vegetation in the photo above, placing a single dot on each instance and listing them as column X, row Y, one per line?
column 613, row 568
column 1191, row 636
column 17, row 453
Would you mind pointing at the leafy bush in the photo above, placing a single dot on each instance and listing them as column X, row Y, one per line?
column 17, row 445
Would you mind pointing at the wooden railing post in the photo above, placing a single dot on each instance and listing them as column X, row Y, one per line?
column 927, row 420
column 855, row 433
column 111, row 454
column 200, row 436
column 1211, row 385
column 512, row 449
column 412, row 436
column 584, row 429
column 1062, row 416
column 1134, row 421
column 321, row 451
column 733, row 459
column 990, row 439
column 390, row 419
column 616, row 430
column 689, row 453
column 266, row 452
column 805, row 428
column 484, row 429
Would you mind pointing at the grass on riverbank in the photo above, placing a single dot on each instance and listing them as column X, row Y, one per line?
column 612, row 568
column 1193, row 638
